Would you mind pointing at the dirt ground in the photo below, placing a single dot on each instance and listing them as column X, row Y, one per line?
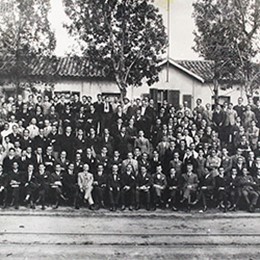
column 66, row 234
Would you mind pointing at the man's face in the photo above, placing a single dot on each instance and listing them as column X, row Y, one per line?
column 100, row 168
column 15, row 165
column 39, row 150
column 49, row 150
column 115, row 168
column 41, row 168
column 68, row 129
column 58, row 168
column 85, row 167
column 189, row 168
column 53, row 129
column 71, row 167
column 15, row 130
column 234, row 172
column 143, row 170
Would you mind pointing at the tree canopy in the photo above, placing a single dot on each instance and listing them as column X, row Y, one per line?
column 227, row 33
column 128, row 36
column 25, row 33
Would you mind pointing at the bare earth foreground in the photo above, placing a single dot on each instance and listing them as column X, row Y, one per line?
column 68, row 234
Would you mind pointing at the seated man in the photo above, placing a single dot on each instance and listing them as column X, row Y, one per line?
column 85, row 183
column 30, row 185
column 15, row 178
column 206, row 189
column 43, row 181
column 248, row 188
column 70, row 185
column 114, row 184
column 56, row 184
column 3, row 186
column 189, row 185
column 233, row 189
column 100, row 184
column 128, row 187
column 221, row 189
column 172, row 188
column 143, row 184
column 159, row 186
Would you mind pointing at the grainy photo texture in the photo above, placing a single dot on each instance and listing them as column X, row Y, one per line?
column 129, row 129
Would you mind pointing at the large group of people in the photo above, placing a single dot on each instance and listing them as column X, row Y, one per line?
column 119, row 154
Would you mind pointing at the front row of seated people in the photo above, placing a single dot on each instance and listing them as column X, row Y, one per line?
column 119, row 189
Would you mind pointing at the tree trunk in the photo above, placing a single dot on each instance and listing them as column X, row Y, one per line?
column 123, row 93
column 216, row 90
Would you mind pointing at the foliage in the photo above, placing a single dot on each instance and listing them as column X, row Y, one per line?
column 24, row 34
column 127, row 35
column 227, row 33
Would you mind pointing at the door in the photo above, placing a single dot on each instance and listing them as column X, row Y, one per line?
column 174, row 98
column 188, row 99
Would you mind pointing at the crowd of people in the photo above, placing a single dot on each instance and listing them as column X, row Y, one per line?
column 128, row 154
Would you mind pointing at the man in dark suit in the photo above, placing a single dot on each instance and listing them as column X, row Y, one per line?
column 30, row 185
column 143, row 186
column 38, row 157
column 233, row 189
column 128, row 182
column 66, row 142
column 100, row 185
column 43, row 181
column 249, row 192
column 26, row 141
column 15, row 178
column 9, row 160
column 121, row 143
column 108, row 141
column 70, row 185
column 114, row 184
column 206, row 189
column 49, row 159
column 105, row 114
column 56, row 179
column 4, row 182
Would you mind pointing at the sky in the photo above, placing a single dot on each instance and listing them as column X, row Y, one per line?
column 181, row 28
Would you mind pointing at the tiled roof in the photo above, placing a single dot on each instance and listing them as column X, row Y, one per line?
column 203, row 69
column 56, row 66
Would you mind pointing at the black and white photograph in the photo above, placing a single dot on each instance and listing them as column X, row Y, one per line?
column 130, row 129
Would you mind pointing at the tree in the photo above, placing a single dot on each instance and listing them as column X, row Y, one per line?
column 24, row 34
column 128, row 36
column 227, row 33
